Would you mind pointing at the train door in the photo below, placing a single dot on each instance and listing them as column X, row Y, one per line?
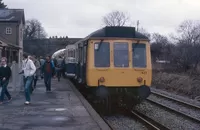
column 84, row 61
column 77, row 62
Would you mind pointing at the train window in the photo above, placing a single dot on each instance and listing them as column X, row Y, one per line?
column 102, row 54
column 80, row 55
column 77, row 54
column 73, row 54
column 121, row 56
column 69, row 53
column 139, row 55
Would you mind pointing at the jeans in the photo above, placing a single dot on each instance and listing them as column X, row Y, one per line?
column 47, row 81
column 33, row 83
column 4, row 90
column 58, row 74
column 27, row 86
column 35, row 80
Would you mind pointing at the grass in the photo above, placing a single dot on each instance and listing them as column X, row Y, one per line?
column 178, row 83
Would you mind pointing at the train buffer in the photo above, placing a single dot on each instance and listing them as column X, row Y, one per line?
column 62, row 109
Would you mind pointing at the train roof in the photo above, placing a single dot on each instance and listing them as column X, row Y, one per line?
column 117, row 32
column 70, row 46
column 58, row 53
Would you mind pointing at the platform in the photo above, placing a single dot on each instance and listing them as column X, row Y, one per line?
column 62, row 109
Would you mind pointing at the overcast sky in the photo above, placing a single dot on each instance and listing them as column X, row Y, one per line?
column 78, row 18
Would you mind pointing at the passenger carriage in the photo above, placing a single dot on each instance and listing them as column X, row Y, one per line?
column 70, row 61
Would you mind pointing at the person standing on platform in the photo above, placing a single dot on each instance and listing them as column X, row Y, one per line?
column 29, row 70
column 41, row 64
column 37, row 73
column 59, row 67
column 31, row 86
column 5, row 74
column 48, row 69
column 22, row 72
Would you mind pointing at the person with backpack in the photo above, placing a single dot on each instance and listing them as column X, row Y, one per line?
column 37, row 73
column 48, row 69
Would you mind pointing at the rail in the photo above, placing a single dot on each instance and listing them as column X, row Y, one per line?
column 174, row 110
column 150, row 123
column 174, row 99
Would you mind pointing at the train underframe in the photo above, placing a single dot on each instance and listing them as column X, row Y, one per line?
column 110, row 98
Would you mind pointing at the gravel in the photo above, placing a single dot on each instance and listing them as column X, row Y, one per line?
column 168, row 119
column 120, row 122
column 194, row 112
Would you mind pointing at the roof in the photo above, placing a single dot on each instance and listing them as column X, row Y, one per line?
column 12, row 15
column 117, row 32
column 6, row 42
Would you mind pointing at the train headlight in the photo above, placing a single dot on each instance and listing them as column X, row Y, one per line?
column 102, row 79
column 140, row 79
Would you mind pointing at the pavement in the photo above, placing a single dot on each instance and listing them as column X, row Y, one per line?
column 62, row 109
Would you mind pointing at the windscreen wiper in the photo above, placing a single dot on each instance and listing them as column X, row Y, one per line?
column 100, row 44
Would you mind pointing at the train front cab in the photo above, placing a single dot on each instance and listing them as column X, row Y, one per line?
column 119, row 65
column 70, row 67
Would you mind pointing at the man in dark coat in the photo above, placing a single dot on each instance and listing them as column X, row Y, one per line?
column 48, row 69
column 5, row 73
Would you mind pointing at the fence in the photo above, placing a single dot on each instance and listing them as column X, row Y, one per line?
column 16, row 80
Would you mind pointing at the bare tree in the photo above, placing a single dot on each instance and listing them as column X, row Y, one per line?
column 34, row 30
column 144, row 32
column 2, row 5
column 116, row 18
column 160, row 47
column 188, row 44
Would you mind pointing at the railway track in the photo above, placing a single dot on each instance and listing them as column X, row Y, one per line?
column 143, row 119
column 149, row 123
column 184, row 105
column 177, row 100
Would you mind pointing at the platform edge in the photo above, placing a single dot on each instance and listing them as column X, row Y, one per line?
column 96, row 117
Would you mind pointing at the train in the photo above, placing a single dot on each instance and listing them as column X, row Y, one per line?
column 60, row 52
column 70, row 61
column 113, row 64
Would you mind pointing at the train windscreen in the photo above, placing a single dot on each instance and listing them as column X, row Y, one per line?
column 102, row 54
column 139, row 55
column 121, row 54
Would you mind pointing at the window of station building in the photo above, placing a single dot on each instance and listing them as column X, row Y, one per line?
column 139, row 55
column 102, row 54
column 8, row 30
column 121, row 56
